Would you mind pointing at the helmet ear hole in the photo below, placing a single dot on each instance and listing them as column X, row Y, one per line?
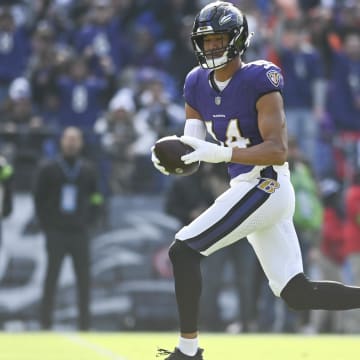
column 199, row 41
column 241, row 43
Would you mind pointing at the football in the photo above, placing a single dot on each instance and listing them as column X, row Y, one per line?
column 169, row 151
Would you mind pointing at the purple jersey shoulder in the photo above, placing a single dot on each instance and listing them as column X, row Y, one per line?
column 267, row 76
column 192, row 81
column 263, row 75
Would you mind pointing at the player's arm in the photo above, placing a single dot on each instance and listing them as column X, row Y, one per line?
column 194, row 135
column 194, row 125
column 271, row 123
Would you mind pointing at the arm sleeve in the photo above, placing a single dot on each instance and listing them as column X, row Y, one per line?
column 195, row 128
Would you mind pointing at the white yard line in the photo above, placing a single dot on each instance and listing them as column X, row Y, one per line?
column 106, row 353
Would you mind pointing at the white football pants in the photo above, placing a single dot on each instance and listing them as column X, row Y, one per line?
column 259, row 205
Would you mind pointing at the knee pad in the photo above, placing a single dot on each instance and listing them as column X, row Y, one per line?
column 179, row 252
column 298, row 293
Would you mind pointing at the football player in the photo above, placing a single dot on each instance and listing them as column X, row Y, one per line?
column 241, row 106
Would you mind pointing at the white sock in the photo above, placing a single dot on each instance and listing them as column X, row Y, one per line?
column 188, row 347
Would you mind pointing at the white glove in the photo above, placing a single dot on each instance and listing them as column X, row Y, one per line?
column 205, row 151
column 156, row 162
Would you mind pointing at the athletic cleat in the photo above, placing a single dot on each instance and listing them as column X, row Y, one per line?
column 178, row 355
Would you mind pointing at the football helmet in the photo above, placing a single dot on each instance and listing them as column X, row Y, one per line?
column 220, row 17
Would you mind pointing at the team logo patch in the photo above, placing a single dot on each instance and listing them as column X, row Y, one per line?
column 274, row 76
column 268, row 185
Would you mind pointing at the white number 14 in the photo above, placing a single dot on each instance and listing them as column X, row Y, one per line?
column 233, row 134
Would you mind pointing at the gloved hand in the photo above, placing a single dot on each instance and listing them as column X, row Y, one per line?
column 205, row 151
column 156, row 162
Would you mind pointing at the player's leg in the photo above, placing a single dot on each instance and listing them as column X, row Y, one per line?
column 239, row 211
column 186, row 259
column 277, row 248
column 301, row 294
column 192, row 243
column 188, row 282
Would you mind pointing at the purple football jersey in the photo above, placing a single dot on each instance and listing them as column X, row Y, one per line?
column 230, row 115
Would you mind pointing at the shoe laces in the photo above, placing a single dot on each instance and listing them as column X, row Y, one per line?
column 163, row 352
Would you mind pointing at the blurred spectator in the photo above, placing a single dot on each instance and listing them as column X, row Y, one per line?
column 348, row 15
column 158, row 112
column 331, row 257
column 307, row 5
column 67, row 203
column 308, row 209
column 64, row 16
column 146, row 53
column 81, row 97
column 117, row 135
column 102, row 39
column 304, row 89
column 332, row 235
column 43, row 67
column 344, row 96
column 352, row 244
column 23, row 131
column 344, row 87
column 14, row 50
column 175, row 17
column 183, row 50
column 324, row 35
column 170, row 13
column 6, row 198
column 158, row 116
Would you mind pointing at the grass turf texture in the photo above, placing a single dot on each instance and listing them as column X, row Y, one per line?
column 142, row 346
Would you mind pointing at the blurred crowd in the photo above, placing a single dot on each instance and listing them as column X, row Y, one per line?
column 115, row 69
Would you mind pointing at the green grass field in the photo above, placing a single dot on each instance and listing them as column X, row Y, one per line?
column 142, row 346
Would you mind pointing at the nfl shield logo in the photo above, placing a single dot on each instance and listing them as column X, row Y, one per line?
column 274, row 77
column 218, row 100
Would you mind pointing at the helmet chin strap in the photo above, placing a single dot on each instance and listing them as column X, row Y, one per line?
column 218, row 63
